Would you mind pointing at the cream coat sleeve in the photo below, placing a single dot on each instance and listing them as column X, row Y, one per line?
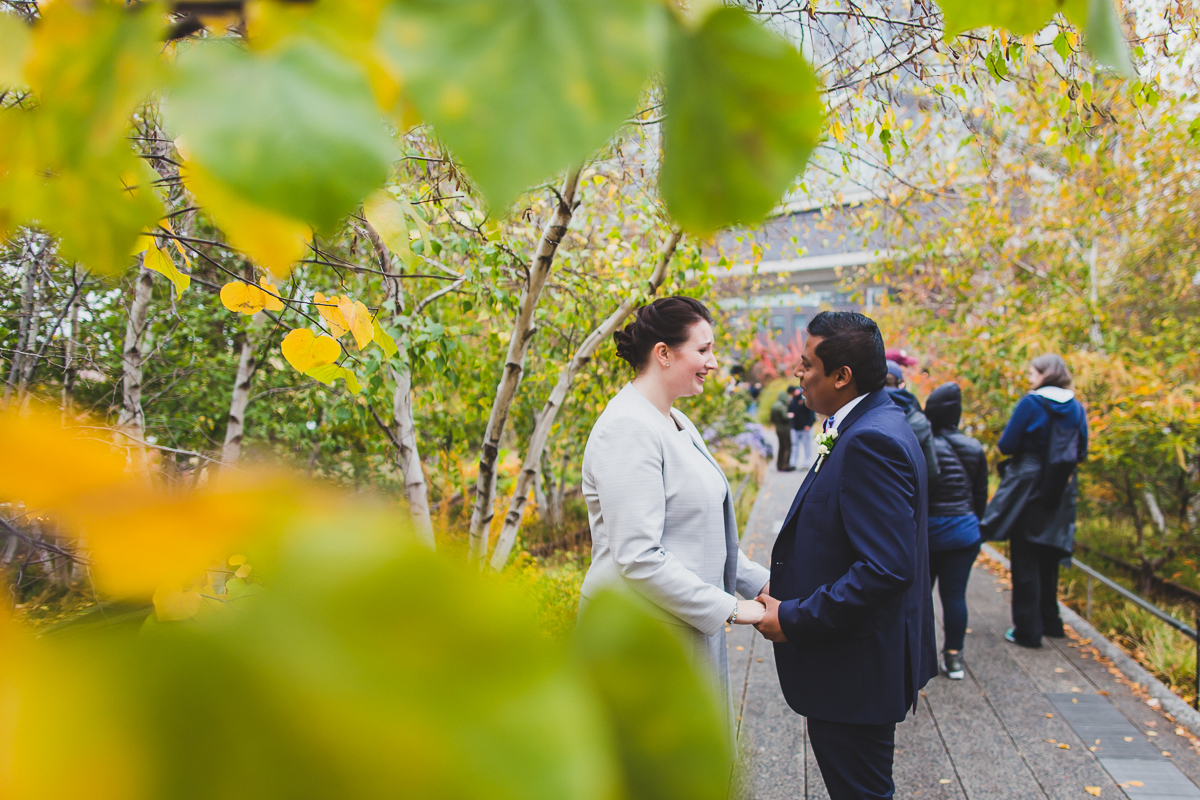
column 751, row 576
column 627, row 471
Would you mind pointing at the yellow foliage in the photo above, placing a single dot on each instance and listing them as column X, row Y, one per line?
column 272, row 296
column 331, row 312
column 158, row 261
column 139, row 536
column 358, row 319
column 304, row 350
column 242, row 297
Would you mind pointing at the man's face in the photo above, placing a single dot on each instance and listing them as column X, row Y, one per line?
column 820, row 390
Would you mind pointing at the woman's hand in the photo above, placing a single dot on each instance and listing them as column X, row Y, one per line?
column 749, row 612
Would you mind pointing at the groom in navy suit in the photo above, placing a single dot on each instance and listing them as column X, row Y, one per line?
column 849, row 608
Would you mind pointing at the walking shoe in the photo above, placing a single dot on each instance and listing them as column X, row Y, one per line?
column 1009, row 637
column 952, row 663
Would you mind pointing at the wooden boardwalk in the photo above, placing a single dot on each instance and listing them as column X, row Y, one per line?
column 1050, row 723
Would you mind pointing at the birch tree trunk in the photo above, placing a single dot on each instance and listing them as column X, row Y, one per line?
column 546, row 417
column 70, row 369
column 29, row 284
column 236, row 424
column 408, row 454
column 408, row 458
column 132, row 419
column 514, row 367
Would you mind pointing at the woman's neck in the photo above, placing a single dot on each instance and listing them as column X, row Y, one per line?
column 654, row 390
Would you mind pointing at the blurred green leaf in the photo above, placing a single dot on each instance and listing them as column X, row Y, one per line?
column 369, row 670
column 743, row 115
column 521, row 89
column 295, row 129
column 1102, row 34
column 669, row 724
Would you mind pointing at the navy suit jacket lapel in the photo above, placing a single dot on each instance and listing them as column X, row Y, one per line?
column 872, row 400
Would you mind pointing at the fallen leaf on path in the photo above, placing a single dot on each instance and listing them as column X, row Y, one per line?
column 1092, row 790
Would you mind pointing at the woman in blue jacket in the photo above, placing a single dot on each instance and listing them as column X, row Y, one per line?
column 1034, row 506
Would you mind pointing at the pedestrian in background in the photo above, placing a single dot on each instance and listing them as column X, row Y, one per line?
column 803, row 419
column 907, row 401
column 1034, row 506
column 956, row 503
column 781, row 418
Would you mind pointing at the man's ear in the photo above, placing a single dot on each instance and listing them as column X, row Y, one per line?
column 843, row 378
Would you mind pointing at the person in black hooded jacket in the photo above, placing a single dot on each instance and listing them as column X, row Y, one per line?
column 957, row 500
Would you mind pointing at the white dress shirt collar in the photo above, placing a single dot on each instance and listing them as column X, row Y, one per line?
column 840, row 415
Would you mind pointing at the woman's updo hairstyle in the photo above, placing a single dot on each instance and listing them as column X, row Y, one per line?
column 668, row 320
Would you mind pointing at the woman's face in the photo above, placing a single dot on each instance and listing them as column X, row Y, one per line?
column 1035, row 378
column 691, row 362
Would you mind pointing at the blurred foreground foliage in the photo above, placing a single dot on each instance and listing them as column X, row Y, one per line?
column 343, row 659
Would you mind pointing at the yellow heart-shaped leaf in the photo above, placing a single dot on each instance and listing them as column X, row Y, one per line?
column 358, row 318
column 158, row 261
column 305, row 350
column 271, row 296
column 328, row 308
column 242, row 297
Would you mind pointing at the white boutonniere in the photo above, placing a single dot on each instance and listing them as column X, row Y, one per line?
column 825, row 441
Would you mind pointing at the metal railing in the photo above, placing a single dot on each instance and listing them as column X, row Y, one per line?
column 1146, row 605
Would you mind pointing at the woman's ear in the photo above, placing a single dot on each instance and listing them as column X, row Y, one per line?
column 663, row 354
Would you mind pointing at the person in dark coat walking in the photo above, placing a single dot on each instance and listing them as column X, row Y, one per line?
column 781, row 418
column 956, row 503
column 803, row 419
column 916, row 418
column 1034, row 506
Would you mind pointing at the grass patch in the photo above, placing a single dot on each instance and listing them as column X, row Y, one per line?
column 1165, row 652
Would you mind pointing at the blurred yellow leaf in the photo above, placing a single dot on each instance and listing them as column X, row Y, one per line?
column 173, row 605
column 67, row 165
column 158, row 261
column 304, row 350
column 358, row 318
column 243, row 571
column 14, row 49
column 331, row 312
column 237, row 560
column 242, row 297
column 1092, row 790
column 272, row 296
column 272, row 240
column 386, row 216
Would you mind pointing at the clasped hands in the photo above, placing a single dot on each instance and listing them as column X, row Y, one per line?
column 763, row 613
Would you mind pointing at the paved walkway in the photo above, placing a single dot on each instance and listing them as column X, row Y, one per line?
column 1050, row 723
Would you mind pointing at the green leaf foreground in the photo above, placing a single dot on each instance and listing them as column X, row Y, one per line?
column 521, row 89
column 516, row 90
column 295, row 129
column 743, row 115
column 1102, row 34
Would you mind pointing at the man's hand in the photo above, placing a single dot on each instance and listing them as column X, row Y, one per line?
column 768, row 626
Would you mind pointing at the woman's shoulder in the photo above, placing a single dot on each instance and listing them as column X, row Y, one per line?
column 626, row 415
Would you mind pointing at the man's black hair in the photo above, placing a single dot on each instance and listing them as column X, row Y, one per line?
column 853, row 340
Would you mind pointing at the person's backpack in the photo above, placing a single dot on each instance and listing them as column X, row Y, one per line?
column 1061, row 458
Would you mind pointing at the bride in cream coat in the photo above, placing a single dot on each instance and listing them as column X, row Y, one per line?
column 660, row 508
